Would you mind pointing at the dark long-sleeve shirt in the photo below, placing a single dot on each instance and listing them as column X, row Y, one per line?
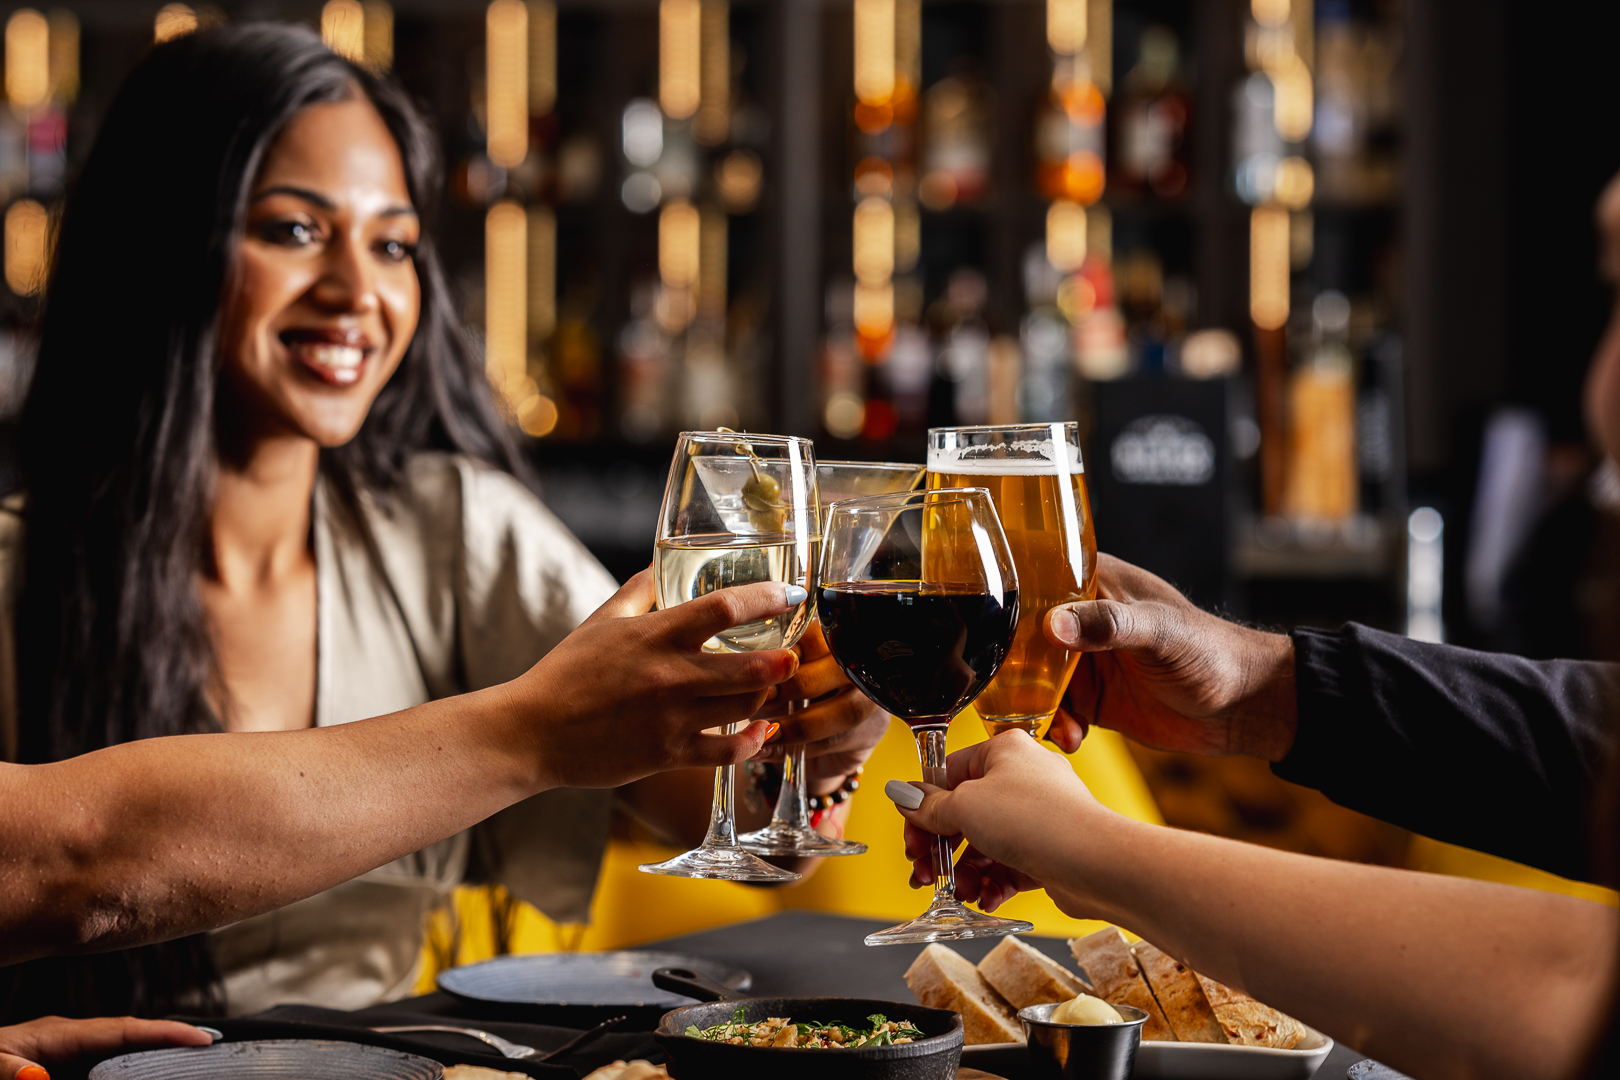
column 1489, row 751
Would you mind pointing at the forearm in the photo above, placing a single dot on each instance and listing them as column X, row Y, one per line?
column 1440, row 977
column 1481, row 749
column 161, row 837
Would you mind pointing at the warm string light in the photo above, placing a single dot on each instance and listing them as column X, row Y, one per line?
column 343, row 28
column 1268, row 267
column 711, row 276
column 679, row 243
column 1066, row 26
column 28, row 59
column 64, row 50
column 1270, row 13
column 1100, row 44
column 506, row 74
column 1066, row 235
column 506, row 327
column 27, row 233
column 680, row 37
column 172, row 21
column 908, row 44
column 536, row 413
column 874, row 241
column 874, row 51
column 713, row 121
column 542, row 56
column 378, row 54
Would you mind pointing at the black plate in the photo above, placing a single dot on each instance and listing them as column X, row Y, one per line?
column 278, row 1059
column 933, row 1057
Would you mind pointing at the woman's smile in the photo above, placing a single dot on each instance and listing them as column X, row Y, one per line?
column 332, row 354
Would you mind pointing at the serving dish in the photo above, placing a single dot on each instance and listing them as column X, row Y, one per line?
column 933, row 1057
column 1157, row 1060
column 1212, row 1061
column 596, row 980
column 271, row 1059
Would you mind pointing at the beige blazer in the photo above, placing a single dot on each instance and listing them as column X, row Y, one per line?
column 459, row 581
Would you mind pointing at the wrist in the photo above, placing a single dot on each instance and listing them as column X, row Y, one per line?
column 1264, row 725
column 518, row 734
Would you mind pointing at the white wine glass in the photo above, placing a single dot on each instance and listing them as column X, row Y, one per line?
column 738, row 509
column 789, row 831
column 918, row 598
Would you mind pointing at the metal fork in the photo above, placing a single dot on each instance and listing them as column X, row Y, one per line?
column 512, row 1049
column 507, row 1048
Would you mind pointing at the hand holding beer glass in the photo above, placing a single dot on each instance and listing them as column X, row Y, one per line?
column 1037, row 482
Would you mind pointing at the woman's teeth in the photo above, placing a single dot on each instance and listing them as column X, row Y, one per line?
column 339, row 357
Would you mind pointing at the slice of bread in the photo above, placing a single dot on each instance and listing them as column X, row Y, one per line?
column 1246, row 1021
column 942, row 978
column 1108, row 963
column 1176, row 989
column 1026, row 976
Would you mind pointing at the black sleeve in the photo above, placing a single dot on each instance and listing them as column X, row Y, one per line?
column 1489, row 751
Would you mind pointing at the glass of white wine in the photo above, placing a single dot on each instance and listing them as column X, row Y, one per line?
column 738, row 509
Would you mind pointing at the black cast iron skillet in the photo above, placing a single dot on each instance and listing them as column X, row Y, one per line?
column 933, row 1057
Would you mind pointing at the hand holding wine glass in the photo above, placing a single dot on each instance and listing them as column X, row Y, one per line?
column 919, row 601
column 738, row 509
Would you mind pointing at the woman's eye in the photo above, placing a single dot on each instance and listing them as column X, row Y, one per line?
column 288, row 233
column 396, row 250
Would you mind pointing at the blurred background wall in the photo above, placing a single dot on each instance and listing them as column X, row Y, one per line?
column 1317, row 278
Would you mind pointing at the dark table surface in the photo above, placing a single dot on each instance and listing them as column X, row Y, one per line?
column 814, row 954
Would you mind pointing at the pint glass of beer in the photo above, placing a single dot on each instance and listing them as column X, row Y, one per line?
column 1038, row 484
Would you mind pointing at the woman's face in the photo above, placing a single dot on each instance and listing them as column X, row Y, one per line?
column 324, row 296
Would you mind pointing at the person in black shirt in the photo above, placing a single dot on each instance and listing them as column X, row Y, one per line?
column 1490, row 751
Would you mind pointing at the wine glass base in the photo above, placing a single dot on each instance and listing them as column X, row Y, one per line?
column 948, row 922
column 720, row 863
column 783, row 840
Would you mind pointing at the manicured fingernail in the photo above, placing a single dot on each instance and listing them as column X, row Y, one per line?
column 32, row 1072
column 213, row 1033
column 772, row 730
column 903, row 794
column 794, row 595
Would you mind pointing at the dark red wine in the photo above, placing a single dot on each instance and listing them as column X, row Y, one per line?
column 921, row 652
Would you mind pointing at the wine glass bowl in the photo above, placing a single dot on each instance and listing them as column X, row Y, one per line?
column 1036, row 479
column 789, row 831
column 738, row 509
column 919, row 600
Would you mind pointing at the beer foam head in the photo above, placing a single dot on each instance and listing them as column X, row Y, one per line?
column 1024, row 457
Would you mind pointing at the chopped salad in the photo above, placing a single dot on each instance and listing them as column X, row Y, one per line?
column 805, row 1035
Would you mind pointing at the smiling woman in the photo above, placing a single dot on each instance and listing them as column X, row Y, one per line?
column 266, row 489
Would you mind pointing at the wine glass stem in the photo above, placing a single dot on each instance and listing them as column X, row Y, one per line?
column 793, row 802
column 722, row 815
column 931, row 749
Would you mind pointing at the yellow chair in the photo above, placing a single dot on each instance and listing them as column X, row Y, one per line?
column 631, row 908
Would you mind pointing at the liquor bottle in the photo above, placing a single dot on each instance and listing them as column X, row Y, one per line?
column 1151, row 117
column 1321, row 470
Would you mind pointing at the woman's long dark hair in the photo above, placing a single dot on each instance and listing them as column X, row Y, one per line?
column 119, row 437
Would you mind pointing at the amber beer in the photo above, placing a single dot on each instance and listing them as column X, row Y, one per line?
column 1037, row 482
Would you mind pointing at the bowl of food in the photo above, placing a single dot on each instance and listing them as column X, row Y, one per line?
column 1084, row 1038
column 803, row 1038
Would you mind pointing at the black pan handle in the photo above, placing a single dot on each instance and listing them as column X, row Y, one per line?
column 693, row 984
